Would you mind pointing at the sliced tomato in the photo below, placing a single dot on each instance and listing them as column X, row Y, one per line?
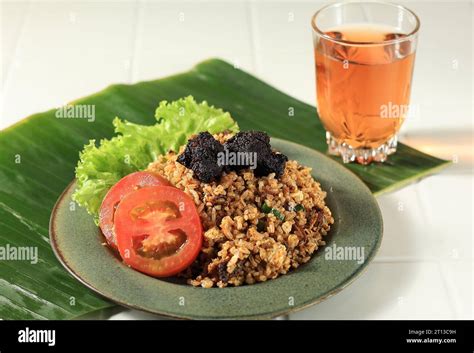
column 122, row 188
column 158, row 230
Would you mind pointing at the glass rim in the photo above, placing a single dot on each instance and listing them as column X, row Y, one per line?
column 349, row 42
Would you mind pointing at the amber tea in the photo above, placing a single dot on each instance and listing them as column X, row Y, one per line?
column 363, row 82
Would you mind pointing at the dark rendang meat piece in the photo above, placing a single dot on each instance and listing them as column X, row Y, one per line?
column 258, row 142
column 201, row 155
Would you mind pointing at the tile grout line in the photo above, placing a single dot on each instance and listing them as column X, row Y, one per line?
column 401, row 260
column 138, row 20
column 253, row 28
column 452, row 299
column 453, row 302
column 421, row 201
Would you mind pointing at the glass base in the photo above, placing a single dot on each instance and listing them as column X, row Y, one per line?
column 361, row 155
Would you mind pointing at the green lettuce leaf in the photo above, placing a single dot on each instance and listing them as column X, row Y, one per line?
column 136, row 146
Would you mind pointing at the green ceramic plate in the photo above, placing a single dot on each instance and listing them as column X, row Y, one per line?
column 77, row 243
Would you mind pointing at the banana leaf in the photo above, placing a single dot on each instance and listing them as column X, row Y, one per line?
column 38, row 156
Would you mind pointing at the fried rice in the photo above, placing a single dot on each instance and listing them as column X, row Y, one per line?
column 243, row 244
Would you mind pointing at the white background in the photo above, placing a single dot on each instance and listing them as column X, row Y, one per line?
column 54, row 52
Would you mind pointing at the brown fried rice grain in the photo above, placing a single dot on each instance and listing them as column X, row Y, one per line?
column 236, row 250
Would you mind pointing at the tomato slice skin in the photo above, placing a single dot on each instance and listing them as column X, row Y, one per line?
column 122, row 188
column 144, row 216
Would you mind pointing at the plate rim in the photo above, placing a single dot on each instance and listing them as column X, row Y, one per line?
column 345, row 284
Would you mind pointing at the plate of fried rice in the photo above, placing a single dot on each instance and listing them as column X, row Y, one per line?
column 198, row 239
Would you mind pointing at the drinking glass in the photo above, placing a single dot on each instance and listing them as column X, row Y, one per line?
column 364, row 56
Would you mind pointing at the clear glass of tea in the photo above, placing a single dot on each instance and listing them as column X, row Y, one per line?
column 364, row 55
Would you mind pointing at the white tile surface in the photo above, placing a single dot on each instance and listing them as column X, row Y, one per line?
column 53, row 52
column 65, row 51
column 174, row 36
column 443, row 62
column 456, row 275
column 423, row 224
column 284, row 46
column 448, row 210
column 409, row 290
column 404, row 237
column 13, row 16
